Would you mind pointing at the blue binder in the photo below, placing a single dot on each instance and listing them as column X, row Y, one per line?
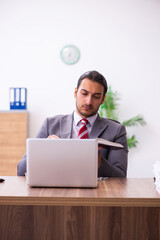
column 18, row 98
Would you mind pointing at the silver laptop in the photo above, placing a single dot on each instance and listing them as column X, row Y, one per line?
column 62, row 162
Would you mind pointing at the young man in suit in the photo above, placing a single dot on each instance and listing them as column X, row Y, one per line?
column 89, row 95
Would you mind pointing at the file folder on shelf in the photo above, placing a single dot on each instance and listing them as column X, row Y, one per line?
column 18, row 98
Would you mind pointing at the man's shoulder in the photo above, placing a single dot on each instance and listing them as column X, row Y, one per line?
column 113, row 120
column 112, row 124
column 110, row 121
column 59, row 117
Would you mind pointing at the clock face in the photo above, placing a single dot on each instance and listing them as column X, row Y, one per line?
column 70, row 54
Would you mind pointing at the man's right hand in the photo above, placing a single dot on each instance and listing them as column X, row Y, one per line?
column 53, row 137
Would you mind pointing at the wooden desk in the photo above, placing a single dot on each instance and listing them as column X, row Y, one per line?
column 119, row 209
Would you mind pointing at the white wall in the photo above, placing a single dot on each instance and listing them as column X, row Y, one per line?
column 119, row 38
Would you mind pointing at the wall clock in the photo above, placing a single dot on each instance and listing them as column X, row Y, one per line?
column 70, row 54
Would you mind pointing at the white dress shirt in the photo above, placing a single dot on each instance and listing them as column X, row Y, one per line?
column 77, row 124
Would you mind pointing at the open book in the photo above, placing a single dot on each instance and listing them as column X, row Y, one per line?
column 108, row 144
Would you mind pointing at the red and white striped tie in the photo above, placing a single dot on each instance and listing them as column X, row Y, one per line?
column 83, row 132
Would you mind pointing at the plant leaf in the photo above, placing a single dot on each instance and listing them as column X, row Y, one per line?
column 132, row 142
column 109, row 107
column 135, row 121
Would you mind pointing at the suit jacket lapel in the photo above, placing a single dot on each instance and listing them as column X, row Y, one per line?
column 98, row 127
column 67, row 122
column 66, row 126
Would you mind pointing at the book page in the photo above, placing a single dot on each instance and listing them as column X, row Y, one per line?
column 105, row 143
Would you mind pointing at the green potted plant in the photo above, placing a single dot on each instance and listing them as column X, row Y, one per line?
column 109, row 109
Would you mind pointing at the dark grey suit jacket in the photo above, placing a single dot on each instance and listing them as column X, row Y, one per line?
column 114, row 163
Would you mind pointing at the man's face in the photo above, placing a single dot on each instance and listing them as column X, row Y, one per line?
column 89, row 97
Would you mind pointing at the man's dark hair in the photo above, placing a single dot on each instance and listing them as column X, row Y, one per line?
column 95, row 77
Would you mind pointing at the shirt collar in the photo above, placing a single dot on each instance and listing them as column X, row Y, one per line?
column 91, row 119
